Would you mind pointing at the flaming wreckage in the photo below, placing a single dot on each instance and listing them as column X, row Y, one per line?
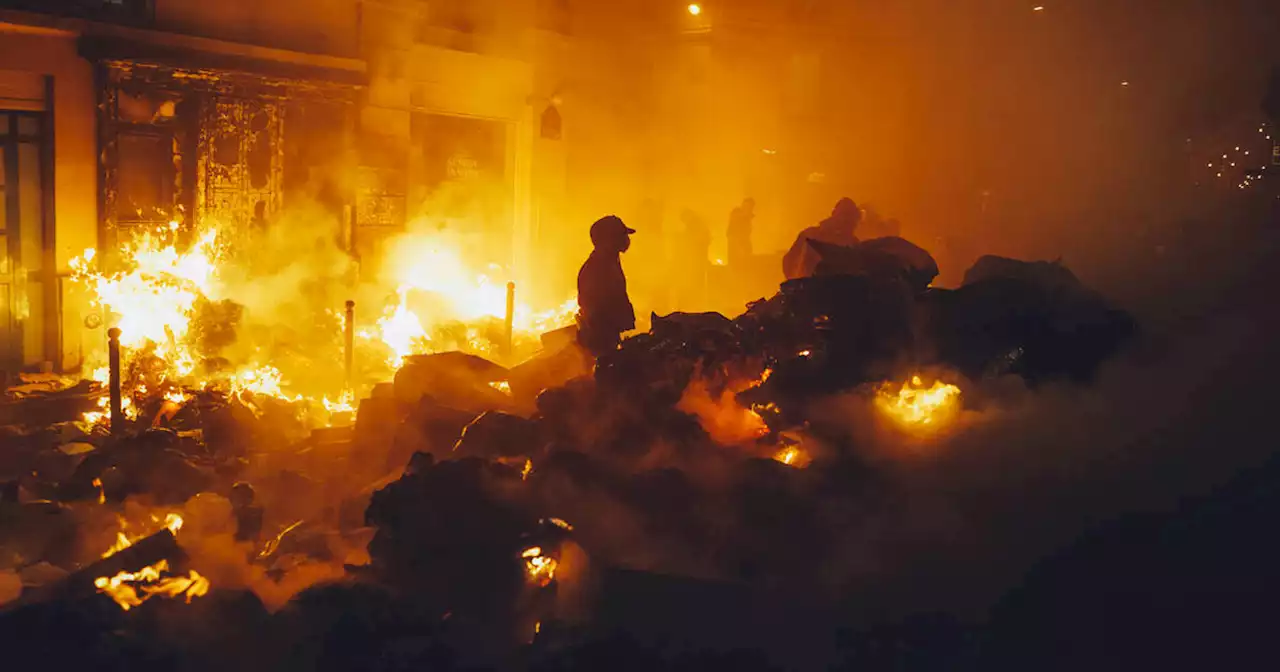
column 176, row 513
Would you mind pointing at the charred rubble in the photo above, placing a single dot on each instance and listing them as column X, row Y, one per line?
column 544, row 516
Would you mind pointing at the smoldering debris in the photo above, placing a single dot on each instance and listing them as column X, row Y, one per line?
column 465, row 519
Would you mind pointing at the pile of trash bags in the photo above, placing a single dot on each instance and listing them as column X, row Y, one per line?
column 481, row 480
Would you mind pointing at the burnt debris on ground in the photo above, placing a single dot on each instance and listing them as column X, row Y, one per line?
column 674, row 506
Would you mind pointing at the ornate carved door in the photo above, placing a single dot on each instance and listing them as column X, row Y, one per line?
column 241, row 162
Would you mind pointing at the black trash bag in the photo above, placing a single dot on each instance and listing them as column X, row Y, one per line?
column 1034, row 319
column 549, row 369
column 496, row 435
column 465, row 380
column 889, row 257
column 430, row 427
column 688, row 326
column 1047, row 275
column 449, row 535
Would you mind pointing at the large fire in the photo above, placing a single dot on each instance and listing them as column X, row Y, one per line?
column 429, row 272
column 917, row 407
column 155, row 292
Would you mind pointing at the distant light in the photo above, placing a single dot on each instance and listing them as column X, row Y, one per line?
column 770, row 152
column 1038, row 8
column 1237, row 149
column 695, row 9
column 1124, row 83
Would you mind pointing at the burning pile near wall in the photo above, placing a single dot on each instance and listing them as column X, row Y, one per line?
column 181, row 332
column 475, row 507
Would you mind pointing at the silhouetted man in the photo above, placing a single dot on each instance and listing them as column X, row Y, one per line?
column 604, row 309
column 838, row 229
column 739, row 233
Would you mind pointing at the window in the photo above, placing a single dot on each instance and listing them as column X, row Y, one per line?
column 146, row 178
column 22, row 245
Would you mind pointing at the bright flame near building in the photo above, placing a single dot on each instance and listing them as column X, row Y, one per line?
column 154, row 298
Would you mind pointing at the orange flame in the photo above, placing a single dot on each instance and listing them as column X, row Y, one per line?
column 792, row 456
column 541, row 569
column 919, row 408
column 131, row 589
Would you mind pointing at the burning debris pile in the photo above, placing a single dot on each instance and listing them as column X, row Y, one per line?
column 473, row 508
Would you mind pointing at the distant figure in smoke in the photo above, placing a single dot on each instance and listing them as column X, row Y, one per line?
column 838, row 229
column 604, row 309
column 739, row 233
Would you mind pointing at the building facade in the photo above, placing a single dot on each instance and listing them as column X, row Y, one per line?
column 516, row 122
column 118, row 115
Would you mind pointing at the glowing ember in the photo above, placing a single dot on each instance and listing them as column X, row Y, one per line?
column 764, row 378
column 131, row 589
column 501, row 386
column 172, row 522
column 122, row 542
column 792, row 452
column 541, row 569
column 528, row 469
column 918, row 407
column 264, row 380
column 344, row 404
column 177, row 396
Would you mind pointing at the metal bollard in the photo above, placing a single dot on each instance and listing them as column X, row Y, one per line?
column 349, row 336
column 113, row 361
column 508, row 346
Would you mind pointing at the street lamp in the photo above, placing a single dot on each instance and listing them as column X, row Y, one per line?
column 695, row 9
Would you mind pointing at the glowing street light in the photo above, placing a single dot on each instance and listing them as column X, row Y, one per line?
column 695, row 9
